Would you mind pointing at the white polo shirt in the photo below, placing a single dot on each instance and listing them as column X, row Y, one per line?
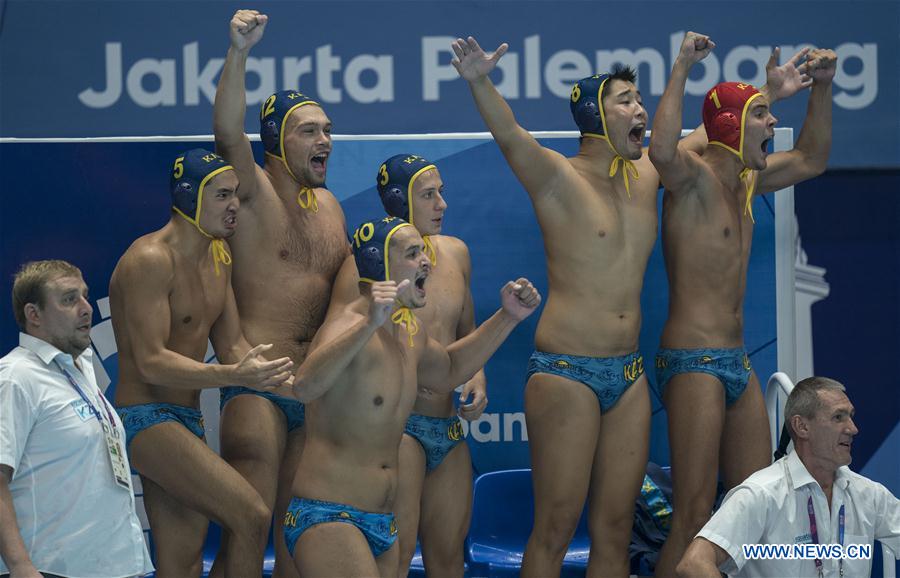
column 770, row 507
column 73, row 517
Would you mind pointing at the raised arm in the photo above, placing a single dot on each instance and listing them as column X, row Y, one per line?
column 535, row 166
column 140, row 289
column 782, row 82
column 440, row 369
column 678, row 167
column 245, row 30
column 341, row 337
column 809, row 157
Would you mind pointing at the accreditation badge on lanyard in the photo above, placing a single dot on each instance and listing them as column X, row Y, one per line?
column 115, row 449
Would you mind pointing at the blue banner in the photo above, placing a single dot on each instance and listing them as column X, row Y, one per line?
column 114, row 68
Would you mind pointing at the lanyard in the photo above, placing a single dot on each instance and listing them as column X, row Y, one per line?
column 815, row 534
column 90, row 405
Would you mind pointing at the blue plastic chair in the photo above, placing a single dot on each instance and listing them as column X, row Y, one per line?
column 502, row 518
column 416, row 566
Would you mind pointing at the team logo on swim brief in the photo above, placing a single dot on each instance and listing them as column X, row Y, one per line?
column 455, row 431
column 634, row 370
column 290, row 519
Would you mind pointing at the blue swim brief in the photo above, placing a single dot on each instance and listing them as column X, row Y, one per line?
column 293, row 410
column 730, row 366
column 608, row 377
column 380, row 530
column 137, row 418
column 437, row 436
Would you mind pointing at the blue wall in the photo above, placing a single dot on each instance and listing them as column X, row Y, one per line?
column 850, row 225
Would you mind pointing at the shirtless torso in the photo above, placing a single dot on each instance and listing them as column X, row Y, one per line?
column 360, row 384
column 287, row 254
column 718, row 424
column 170, row 294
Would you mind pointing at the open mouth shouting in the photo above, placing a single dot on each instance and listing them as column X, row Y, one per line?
column 636, row 134
column 420, row 283
column 319, row 163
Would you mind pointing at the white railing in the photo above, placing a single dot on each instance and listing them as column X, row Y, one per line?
column 777, row 391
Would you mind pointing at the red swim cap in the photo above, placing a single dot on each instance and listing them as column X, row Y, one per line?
column 724, row 113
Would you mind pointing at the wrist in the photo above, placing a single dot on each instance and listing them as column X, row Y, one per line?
column 238, row 51
column 682, row 65
column 229, row 374
column 373, row 322
column 480, row 81
column 21, row 566
column 507, row 317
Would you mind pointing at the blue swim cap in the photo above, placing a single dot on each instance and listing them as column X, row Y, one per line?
column 371, row 242
column 190, row 174
column 587, row 110
column 395, row 181
column 586, row 105
column 272, row 116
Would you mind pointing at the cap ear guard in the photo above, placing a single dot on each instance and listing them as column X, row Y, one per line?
column 370, row 259
column 393, row 197
column 587, row 115
column 728, row 122
column 184, row 197
column 269, row 134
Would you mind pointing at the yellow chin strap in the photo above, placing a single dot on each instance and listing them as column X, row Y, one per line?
column 216, row 246
column 429, row 250
column 406, row 319
column 618, row 160
column 219, row 253
column 749, row 178
column 627, row 167
column 306, row 198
